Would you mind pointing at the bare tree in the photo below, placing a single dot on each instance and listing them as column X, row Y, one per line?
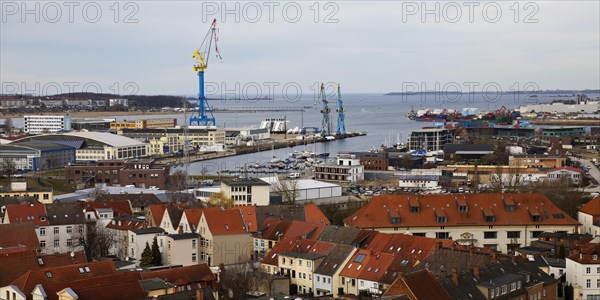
column 8, row 125
column 96, row 192
column 8, row 167
column 506, row 179
column 237, row 281
column 287, row 189
column 95, row 239
column 176, row 183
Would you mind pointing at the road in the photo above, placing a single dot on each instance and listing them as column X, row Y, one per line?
column 594, row 172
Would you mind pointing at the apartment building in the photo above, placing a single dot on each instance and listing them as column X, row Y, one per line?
column 246, row 191
column 38, row 124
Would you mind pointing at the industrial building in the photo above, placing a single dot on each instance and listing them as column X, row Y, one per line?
column 94, row 146
column 346, row 168
column 429, row 139
column 172, row 140
column 308, row 189
column 144, row 124
column 38, row 156
column 38, row 124
column 550, row 131
column 140, row 173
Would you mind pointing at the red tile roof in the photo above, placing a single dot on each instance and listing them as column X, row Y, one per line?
column 592, row 207
column 13, row 265
column 411, row 247
column 157, row 211
column 123, row 285
column 315, row 215
column 304, row 230
column 249, row 215
column 222, row 222
column 23, row 213
column 54, row 279
column 18, row 236
column 375, row 214
column 199, row 273
column 423, row 285
column 272, row 229
column 567, row 168
column 193, row 215
column 125, row 223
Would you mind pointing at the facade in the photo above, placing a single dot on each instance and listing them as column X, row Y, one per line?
column 246, row 191
column 138, row 172
column 501, row 222
column 138, row 239
column 38, row 124
column 573, row 175
column 307, row 189
column 38, row 156
column 171, row 140
column 346, row 168
column 537, row 161
column 422, row 182
column 237, row 136
column 181, row 249
column 144, row 124
column 327, row 281
column 20, row 189
column 429, row 139
column 583, row 272
column 589, row 217
column 550, row 131
column 373, row 161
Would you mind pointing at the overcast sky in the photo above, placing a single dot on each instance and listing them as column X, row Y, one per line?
column 364, row 45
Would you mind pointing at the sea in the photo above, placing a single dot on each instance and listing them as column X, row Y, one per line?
column 383, row 117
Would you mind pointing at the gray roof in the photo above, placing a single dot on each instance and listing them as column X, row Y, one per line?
column 40, row 146
column 150, row 230
column 310, row 256
column 339, row 234
column 152, row 284
column 183, row 236
column 207, row 294
column 65, row 214
column 452, row 148
column 243, row 181
column 334, row 260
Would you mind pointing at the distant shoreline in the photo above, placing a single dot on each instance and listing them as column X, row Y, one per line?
column 91, row 114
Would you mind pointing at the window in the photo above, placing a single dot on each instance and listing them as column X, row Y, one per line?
column 194, row 257
column 588, row 270
column 69, row 229
column 441, row 220
column 588, row 283
column 56, row 243
column 463, row 208
column 490, row 234
column 598, row 283
column 42, row 244
column 69, row 242
column 535, row 234
column 490, row 218
column 300, row 262
column 56, row 230
column 193, row 244
column 442, row 235
column 42, row 231
column 504, row 289
column 594, row 256
column 513, row 286
column 513, row 234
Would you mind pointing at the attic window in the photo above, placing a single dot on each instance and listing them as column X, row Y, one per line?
column 40, row 261
column 81, row 270
column 441, row 219
column 463, row 208
column 404, row 262
column 558, row 216
column 395, row 220
column 509, row 207
column 376, row 270
column 414, row 209
column 536, row 218
column 369, row 269
column 399, row 248
column 227, row 226
column 594, row 256
column 490, row 218
column 87, row 269
column 49, row 274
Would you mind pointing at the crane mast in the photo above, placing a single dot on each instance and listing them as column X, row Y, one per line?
column 200, row 64
column 325, row 125
column 341, row 127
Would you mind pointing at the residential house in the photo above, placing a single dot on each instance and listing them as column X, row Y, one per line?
column 120, row 227
column 224, row 238
column 571, row 174
column 18, row 237
column 15, row 264
column 583, row 271
column 139, row 202
column 181, row 249
column 418, row 285
column 589, row 217
column 246, row 191
column 346, row 168
column 254, row 216
column 326, row 279
column 138, row 239
column 500, row 222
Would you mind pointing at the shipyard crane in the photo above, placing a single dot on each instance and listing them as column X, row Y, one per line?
column 341, row 127
column 325, row 127
column 201, row 57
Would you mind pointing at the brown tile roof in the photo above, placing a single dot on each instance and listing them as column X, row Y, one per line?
column 424, row 286
column 375, row 213
column 222, row 222
column 249, row 215
column 193, row 215
column 64, row 214
column 199, row 273
column 304, row 229
column 54, row 279
column 24, row 213
column 126, row 223
column 592, row 207
column 18, row 235
column 567, row 168
column 411, row 247
column 137, row 200
column 586, row 254
column 298, row 245
column 13, row 265
column 122, row 286
column 272, row 229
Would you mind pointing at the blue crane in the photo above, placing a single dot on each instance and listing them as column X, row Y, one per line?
column 341, row 127
column 200, row 64
column 325, row 126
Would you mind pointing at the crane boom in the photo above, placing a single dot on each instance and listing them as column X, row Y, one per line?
column 325, row 126
column 341, row 126
column 201, row 58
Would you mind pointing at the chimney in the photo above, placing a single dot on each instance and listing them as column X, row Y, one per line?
column 476, row 272
column 454, row 276
column 180, row 230
column 199, row 294
column 438, row 246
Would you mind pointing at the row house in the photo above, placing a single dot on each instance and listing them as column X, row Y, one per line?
column 501, row 222
column 583, row 271
column 58, row 225
column 272, row 230
column 120, row 227
column 589, row 217
column 254, row 216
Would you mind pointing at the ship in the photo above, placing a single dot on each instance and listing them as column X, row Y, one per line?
column 276, row 125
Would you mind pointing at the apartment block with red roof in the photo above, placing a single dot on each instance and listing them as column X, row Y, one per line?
column 498, row 221
column 589, row 217
column 224, row 238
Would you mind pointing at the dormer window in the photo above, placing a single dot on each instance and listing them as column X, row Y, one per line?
column 395, row 220
column 441, row 219
column 594, row 256
column 463, row 208
column 510, row 207
column 488, row 215
column 490, row 218
column 414, row 209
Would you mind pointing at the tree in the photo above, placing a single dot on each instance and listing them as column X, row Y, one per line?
column 176, row 183
column 561, row 252
column 489, row 159
column 287, row 189
column 219, row 200
column 8, row 168
column 95, row 239
column 147, row 259
column 8, row 125
column 237, row 280
column 96, row 192
column 156, row 255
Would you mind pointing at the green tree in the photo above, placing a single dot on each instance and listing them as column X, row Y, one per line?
column 146, row 260
column 156, row 256
column 219, row 200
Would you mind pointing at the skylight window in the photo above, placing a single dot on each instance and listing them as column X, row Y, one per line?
column 81, row 270
column 49, row 274
column 40, row 261
column 359, row 258
column 87, row 269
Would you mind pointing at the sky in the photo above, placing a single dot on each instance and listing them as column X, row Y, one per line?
column 145, row 47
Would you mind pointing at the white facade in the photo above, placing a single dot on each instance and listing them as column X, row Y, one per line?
column 59, row 238
column 247, row 194
column 585, row 279
column 419, row 182
column 308, row 189
column 38, row 124
column 137, row 240
column 587, row 224
column 346, row 168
